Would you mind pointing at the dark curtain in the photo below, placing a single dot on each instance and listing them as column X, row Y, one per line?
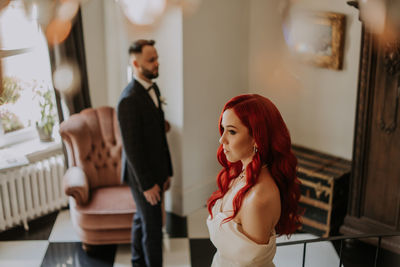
column 72, row 49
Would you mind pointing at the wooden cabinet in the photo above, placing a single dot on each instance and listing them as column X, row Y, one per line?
column 374, row 199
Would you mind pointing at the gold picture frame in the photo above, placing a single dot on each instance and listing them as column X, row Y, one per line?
column 321, row 42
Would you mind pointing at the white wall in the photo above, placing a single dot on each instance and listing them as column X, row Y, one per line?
column 225, row 48
column 317, row 104
column 215, row 52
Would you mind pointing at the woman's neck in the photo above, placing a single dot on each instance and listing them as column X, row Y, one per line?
column 245, row 163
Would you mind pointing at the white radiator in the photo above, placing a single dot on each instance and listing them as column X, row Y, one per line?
column 31, row 191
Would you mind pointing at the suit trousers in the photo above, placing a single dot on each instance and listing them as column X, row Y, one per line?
column 146, row 232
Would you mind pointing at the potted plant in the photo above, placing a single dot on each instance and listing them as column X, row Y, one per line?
column 9, row 94
column 47, row 115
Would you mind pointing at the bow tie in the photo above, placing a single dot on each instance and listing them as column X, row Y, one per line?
column 156, row 90
column 153, row 86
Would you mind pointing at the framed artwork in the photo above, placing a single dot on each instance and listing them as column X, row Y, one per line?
column 318, row 38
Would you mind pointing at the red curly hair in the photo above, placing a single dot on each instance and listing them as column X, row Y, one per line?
column 266, row 126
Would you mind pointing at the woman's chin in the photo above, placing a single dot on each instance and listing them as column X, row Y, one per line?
column 230, row 159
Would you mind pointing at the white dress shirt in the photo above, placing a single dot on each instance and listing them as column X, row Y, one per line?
column 151, row 92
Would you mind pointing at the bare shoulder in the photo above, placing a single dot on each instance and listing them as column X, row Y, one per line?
column 265, row 192
column 261, row 209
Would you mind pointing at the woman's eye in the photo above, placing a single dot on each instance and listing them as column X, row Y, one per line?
column 232, row 132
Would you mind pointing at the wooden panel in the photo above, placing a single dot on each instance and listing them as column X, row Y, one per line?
column 374, row 199
column 382, row 187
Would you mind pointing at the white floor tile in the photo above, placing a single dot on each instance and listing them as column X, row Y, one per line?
column 123, row 256
column 317, row 254
column 63, row 230
column 22, row 253
column 321, row 254
column 176, row 254
column 197, row 227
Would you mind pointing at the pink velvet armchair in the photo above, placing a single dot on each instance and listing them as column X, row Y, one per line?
column 101, row 208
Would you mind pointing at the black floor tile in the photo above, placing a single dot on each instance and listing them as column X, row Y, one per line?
column 176, row 226
column 39, row 229
column 72, row 254
column 356, row 253
column 201, row 252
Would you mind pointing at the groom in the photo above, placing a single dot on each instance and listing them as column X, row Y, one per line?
column 146, row 162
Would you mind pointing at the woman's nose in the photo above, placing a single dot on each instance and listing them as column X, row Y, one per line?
column 222, row 139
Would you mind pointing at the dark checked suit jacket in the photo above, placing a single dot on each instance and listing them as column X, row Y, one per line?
column 146, row 158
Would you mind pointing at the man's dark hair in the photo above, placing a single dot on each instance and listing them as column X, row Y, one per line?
column 137, row 46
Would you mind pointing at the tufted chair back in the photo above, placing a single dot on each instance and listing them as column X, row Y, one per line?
column 93, row 142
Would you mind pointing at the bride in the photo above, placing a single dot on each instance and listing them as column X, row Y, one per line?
column 258, row 191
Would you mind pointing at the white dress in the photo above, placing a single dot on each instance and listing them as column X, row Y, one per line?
column 234, row 249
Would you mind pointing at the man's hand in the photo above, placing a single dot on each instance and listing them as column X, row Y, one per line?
column 167, row 126
column 153, row 195
column 167, row 184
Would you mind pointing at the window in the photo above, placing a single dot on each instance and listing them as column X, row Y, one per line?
column 26, row 76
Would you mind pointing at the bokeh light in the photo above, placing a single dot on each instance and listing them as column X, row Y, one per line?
column 4, row 3
column 301, row 34
column 54, row 16
column 67, row 9
column 40, row 10
column 189, row 7
column 373, row 14
column 142, row 12
column 57, row 31
column 66, row 78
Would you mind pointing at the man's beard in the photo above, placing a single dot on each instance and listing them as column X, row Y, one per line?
column 148, row 74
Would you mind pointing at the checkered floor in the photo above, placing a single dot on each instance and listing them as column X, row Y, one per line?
column 51, row 241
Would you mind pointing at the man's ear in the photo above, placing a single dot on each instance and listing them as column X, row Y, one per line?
column 133, row 60
column 135, row 63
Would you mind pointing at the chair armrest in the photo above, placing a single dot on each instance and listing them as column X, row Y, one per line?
column 76, row 185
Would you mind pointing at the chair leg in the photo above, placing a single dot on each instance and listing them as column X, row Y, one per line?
column 89, row 249
column 95, row 250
